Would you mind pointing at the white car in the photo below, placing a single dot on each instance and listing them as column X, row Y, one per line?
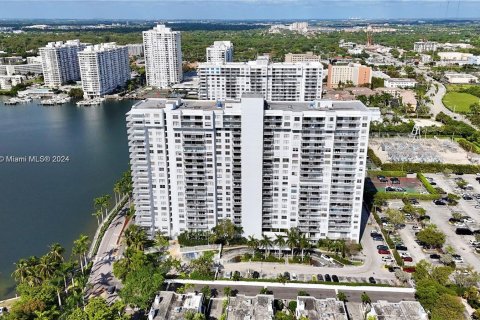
column 416, row 228
column 457, row 258
column 404, row 254
column 474, row 243
column 384, row 258
column 294, row 276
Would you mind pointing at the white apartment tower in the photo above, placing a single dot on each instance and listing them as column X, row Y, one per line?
column 220, row 52
column 163, row 56
column 267, row 166
column 425, row 46
column 275, row 81
column 104, row 68
column 60, row 62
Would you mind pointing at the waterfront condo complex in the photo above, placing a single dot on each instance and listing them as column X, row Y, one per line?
column 60, row 62
column 275, row 81
column 163, row 56
column 266, row 165
column 104, row 68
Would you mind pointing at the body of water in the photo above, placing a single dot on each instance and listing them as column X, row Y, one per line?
column 42, row 203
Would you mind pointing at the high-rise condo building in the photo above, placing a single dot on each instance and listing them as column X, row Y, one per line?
column 220, row 52
column 104, row 68
column 275, row 81
column 266, row 166
column 60, row 62
column 348, row 73
column 425, row 46
column 163, row 56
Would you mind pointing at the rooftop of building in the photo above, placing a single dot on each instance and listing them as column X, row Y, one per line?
column 62, row 44
column 102, row 47
column 206, row 105
column 403, row 310
column 261, row 61
column 458, row 74
column 162, row 28
column 171, row 306
column 321, row 309
column 400, row 80
column 243, row 307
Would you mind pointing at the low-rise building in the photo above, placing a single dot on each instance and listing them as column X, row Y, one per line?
column 403, row 310
column 259, row 307
column 425, row 58
column 302, row 57
column 169, row 305
column 400, row 83
column 7, row 82
column 320, row 309
column 21, row 69
column 449, row 58
column 34, row 59
column 425, row 46
column 351, row 73
column 474, row 60
column 11, row 60
column 407, row 97
column 460, row 78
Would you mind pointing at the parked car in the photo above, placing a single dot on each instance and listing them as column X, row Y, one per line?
column 382, row 178
column 439, row 202
column 459, row 173
column 335, row 278
column 395, row 180
column 425, row 217
column 407, row 259
column 474, row 243
column 467, row 197
column 457, row 258
column 328, row 278
column 379, row 238
column 286, row 274
column 111, row 290
column 294, row 277
column 413, row 201
column 374, row 235
column 319, row 277
column 393, row 269
column 228, row 274
column 382, row 247
column 255, row 275
column 401, row 248
column 372, row 280
column 464, row 231
column 416, row 228
column 383, row 251
column 435, row 256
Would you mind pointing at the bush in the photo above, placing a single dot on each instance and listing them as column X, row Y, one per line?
column 468, row 146
column 397, row 257
column 375, row 173
column 426, row 184
column 402, row 195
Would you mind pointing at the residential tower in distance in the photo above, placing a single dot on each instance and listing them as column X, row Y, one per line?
column 348, row 73
column 278, row 81
column 60, row 62
column 220, row 52
column 103, row 68
column 163, row 56
column 301, row 57
column 267, row 166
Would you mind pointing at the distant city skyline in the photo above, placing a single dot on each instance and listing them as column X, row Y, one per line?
column 239, row 9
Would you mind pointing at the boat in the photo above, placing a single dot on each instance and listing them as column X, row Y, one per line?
column 90, row 102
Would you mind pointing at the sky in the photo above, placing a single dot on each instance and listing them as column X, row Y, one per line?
column 239, row 9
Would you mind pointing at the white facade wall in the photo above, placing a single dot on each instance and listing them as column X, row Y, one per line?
column 220, row 52
column 7, row 82
column 400, row 83
column 266, row 169
column 163, row 57
column 103, row 68
column 275, row 81
column 60, row 62
column 135, row 49
column 425, row 46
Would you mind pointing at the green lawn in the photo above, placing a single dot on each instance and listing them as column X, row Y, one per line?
column 459, row 101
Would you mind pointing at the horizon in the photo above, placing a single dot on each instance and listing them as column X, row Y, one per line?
column 240, row 10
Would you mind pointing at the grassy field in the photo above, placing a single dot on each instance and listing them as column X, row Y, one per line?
column 458, row 101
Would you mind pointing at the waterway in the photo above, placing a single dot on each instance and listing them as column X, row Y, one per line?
column 41, row 201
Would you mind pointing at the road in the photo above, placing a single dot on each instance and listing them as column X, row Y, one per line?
column 101, row 276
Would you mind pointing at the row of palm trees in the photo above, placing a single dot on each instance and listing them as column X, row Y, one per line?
column 293, row 240
column 121, row 188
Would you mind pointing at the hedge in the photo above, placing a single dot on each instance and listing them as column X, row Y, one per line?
column 397, row 257
column 373, row 157
column 404, row 195
column 388, row 240
column 431, row 167
column 427, row 184
column 468, row 146
column 387, row 173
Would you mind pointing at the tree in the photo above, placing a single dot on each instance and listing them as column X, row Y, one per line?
column 140, row 286
column 253, row 243
column 402, row 275
column 76, row 93
column 266, row 243
column 447, row 307
column 431, row 236
column 160, row 240
column 292, row 239
column 202, row 266
column 475, row 108
column 280, row 243
column 226, row 231
column 97, row 214
column 396, row 217
column 80, row 248
column 206, row 291
column 365, row 298
column 136, row 237
column 466, row 277
column 227, row 291
column 342, row 296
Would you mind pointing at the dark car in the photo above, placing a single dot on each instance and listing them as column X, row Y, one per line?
column 433, row 183
column 459, row 173
column 111, row 289
column 425, row 217
column 407, row 259
column 413, row 201
column 467, row 197
column 440, row 202
column 435, row 256
column 383, row 251
column 382, row 247
column 319, row 277
column 372, row 280
column 382, row 178
column 335, row 278
column 255, row 275
column 384, row 219
column 378, row 238
column 328, row 278
column 391, row 189
column 401, row 248
column 453, row 220
column 464, row 231
column 393, row 269
column 287, row 275
column 375, row 234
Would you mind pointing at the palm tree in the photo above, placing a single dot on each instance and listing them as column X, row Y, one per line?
column 266, row 243
column 106, row 203
column 292, row 239
column 56, row 253
column 45, row 267
column 80, row 248
column 252, row 243
column 303, row 244
column 136, row 237
column 97, row 214
column 21, row 271
column 160, row 240
column 117, row 191
column 280, row 242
